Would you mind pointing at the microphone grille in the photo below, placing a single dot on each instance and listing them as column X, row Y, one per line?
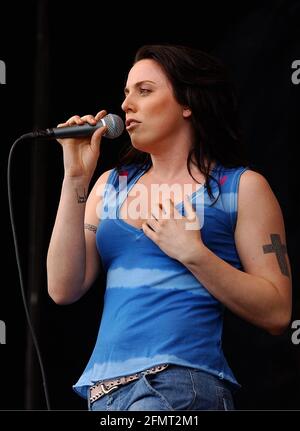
column 115, row 126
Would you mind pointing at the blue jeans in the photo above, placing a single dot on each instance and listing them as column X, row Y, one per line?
column 175, row 388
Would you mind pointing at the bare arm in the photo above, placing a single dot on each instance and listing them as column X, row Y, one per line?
column 72, row 261
column 261, row 294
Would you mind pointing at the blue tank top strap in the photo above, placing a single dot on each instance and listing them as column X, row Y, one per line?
column 228, row 180
column 233, row 202
column 115, row 185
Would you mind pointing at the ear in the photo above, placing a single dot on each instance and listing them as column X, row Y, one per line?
column 186, row 112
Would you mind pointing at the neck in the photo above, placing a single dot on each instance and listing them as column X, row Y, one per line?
column 171, row 166
column 162, row 170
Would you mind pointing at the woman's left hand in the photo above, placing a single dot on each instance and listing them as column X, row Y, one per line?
column 177, row 235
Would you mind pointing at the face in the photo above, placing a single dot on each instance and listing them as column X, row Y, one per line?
column 153, row 117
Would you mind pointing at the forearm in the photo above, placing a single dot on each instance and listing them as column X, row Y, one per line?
column 66, row 261
column 253, row 298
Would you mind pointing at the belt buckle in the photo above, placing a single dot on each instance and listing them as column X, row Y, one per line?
column 105, row 390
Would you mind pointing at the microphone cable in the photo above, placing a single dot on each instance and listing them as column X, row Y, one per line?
column 16, row 247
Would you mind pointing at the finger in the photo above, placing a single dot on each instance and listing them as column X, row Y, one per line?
column 100, row 114
column 96, row 137
column 74, row 120
column 169, row 208
column 156, row 212
column 153, row 224
column 149, row 232
column 69, row 122
column 89, row 119
column 189, row 210
column 162, row 211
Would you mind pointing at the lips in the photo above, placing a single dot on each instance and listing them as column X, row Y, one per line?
column 131, row 121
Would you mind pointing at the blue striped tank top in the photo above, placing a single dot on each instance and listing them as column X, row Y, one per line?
column 155, row 310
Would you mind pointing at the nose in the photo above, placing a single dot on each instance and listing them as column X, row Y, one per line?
column 128, row 104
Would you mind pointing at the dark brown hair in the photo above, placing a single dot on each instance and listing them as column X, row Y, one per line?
column 200, row 82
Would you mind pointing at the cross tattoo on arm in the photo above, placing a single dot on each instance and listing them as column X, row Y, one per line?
column 280, row 250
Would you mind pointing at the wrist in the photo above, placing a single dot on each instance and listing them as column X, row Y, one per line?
column 76, row 187
column 194, row 254
column 76, row 181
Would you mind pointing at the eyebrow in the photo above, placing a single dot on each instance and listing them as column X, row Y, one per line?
column 137, row 84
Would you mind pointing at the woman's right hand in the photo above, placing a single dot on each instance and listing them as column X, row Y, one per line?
column 81, row 154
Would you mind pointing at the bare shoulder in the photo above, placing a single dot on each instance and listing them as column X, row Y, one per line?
column 252, row 181
column 257, row 201
column 255, row 192
column 95, row 198
column 103, row 177
column 99, row 185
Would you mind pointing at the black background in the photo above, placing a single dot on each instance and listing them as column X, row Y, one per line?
column 66, row 58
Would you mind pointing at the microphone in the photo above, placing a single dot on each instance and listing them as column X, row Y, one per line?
column 114, row 123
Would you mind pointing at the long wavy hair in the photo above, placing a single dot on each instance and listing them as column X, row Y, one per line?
column 202, row 83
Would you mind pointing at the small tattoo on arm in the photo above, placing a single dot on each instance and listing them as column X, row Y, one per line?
column 81, row 196
column 280, row 250
column 90, row 227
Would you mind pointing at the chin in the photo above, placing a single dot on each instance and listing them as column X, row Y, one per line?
column 141, row 146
